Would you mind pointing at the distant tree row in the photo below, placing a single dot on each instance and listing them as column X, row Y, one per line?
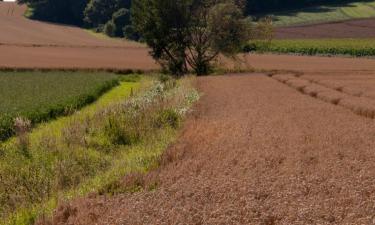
column 109, row 16
column 113, row 17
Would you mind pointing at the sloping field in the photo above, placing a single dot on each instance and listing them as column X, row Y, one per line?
column 255, row 152
column 18, row 30
column 326, row 13
column 364, row 28
column 27, row 43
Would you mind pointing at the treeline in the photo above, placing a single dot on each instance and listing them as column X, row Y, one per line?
column 113, row 17
column 109, row 16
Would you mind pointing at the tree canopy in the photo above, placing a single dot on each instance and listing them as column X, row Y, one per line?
column 59, row 11
column 187, row 34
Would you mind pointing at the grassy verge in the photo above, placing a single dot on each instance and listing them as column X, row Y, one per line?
column 349, row 47
column 41, row 96
column 124, row 132
column 323, row 14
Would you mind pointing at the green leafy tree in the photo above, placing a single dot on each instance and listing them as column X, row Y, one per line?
column 110, row 29
column 187, row 34
column 99, row 12
column 60, row 11
column 120, row 19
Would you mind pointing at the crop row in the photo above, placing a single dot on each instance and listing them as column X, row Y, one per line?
column 351, row 47
column 42, row 96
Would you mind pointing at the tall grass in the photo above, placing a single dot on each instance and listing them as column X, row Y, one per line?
column 91, row 149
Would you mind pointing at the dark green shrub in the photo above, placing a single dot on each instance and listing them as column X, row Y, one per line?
column 110, row 28
column 168, row 117
column 121, row 131
column 72, row 166
column 121, row 19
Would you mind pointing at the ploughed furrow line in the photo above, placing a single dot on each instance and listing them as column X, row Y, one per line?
column 347, row 97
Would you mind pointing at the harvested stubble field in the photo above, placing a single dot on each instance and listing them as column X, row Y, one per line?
column 293, row 147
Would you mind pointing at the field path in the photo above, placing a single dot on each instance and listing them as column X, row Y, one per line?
column 255, row 151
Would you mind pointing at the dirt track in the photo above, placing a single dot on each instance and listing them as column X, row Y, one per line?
column 363, row 28
column 255, row 152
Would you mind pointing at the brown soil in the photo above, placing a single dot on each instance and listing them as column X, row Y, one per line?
column 28, row 43
column 16, row 29
column 363, row 28
column 76, row 57
column 255, row 152
column 307, row 64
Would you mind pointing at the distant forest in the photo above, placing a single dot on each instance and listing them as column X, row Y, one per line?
column 113, row 16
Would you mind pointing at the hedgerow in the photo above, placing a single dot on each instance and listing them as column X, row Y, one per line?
column 90, row 150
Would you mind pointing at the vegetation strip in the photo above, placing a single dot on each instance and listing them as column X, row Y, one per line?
column 88, row 151
column 40, row 97
column 350, row 47
column 325, row 13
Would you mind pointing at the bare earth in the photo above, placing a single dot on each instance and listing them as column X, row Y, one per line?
column 27, row 43
column 362, row 28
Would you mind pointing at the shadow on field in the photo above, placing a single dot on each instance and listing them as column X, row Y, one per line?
column 317, row 8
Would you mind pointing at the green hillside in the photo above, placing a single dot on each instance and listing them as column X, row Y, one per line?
column 320, row 14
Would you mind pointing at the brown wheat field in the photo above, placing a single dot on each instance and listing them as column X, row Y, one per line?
column 293, row 143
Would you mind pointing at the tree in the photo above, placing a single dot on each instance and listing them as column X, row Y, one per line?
column 60, row 11
column 187, row 34
column 120, row 20
column 99, row 12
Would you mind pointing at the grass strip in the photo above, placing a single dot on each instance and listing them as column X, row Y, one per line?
column 125, row 131
column 348, row 47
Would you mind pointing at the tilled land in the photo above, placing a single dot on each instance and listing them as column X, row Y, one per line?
column 361, row 28
column 26, row 43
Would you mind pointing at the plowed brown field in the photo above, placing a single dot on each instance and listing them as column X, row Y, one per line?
column 363, row 28
column 27, row 43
